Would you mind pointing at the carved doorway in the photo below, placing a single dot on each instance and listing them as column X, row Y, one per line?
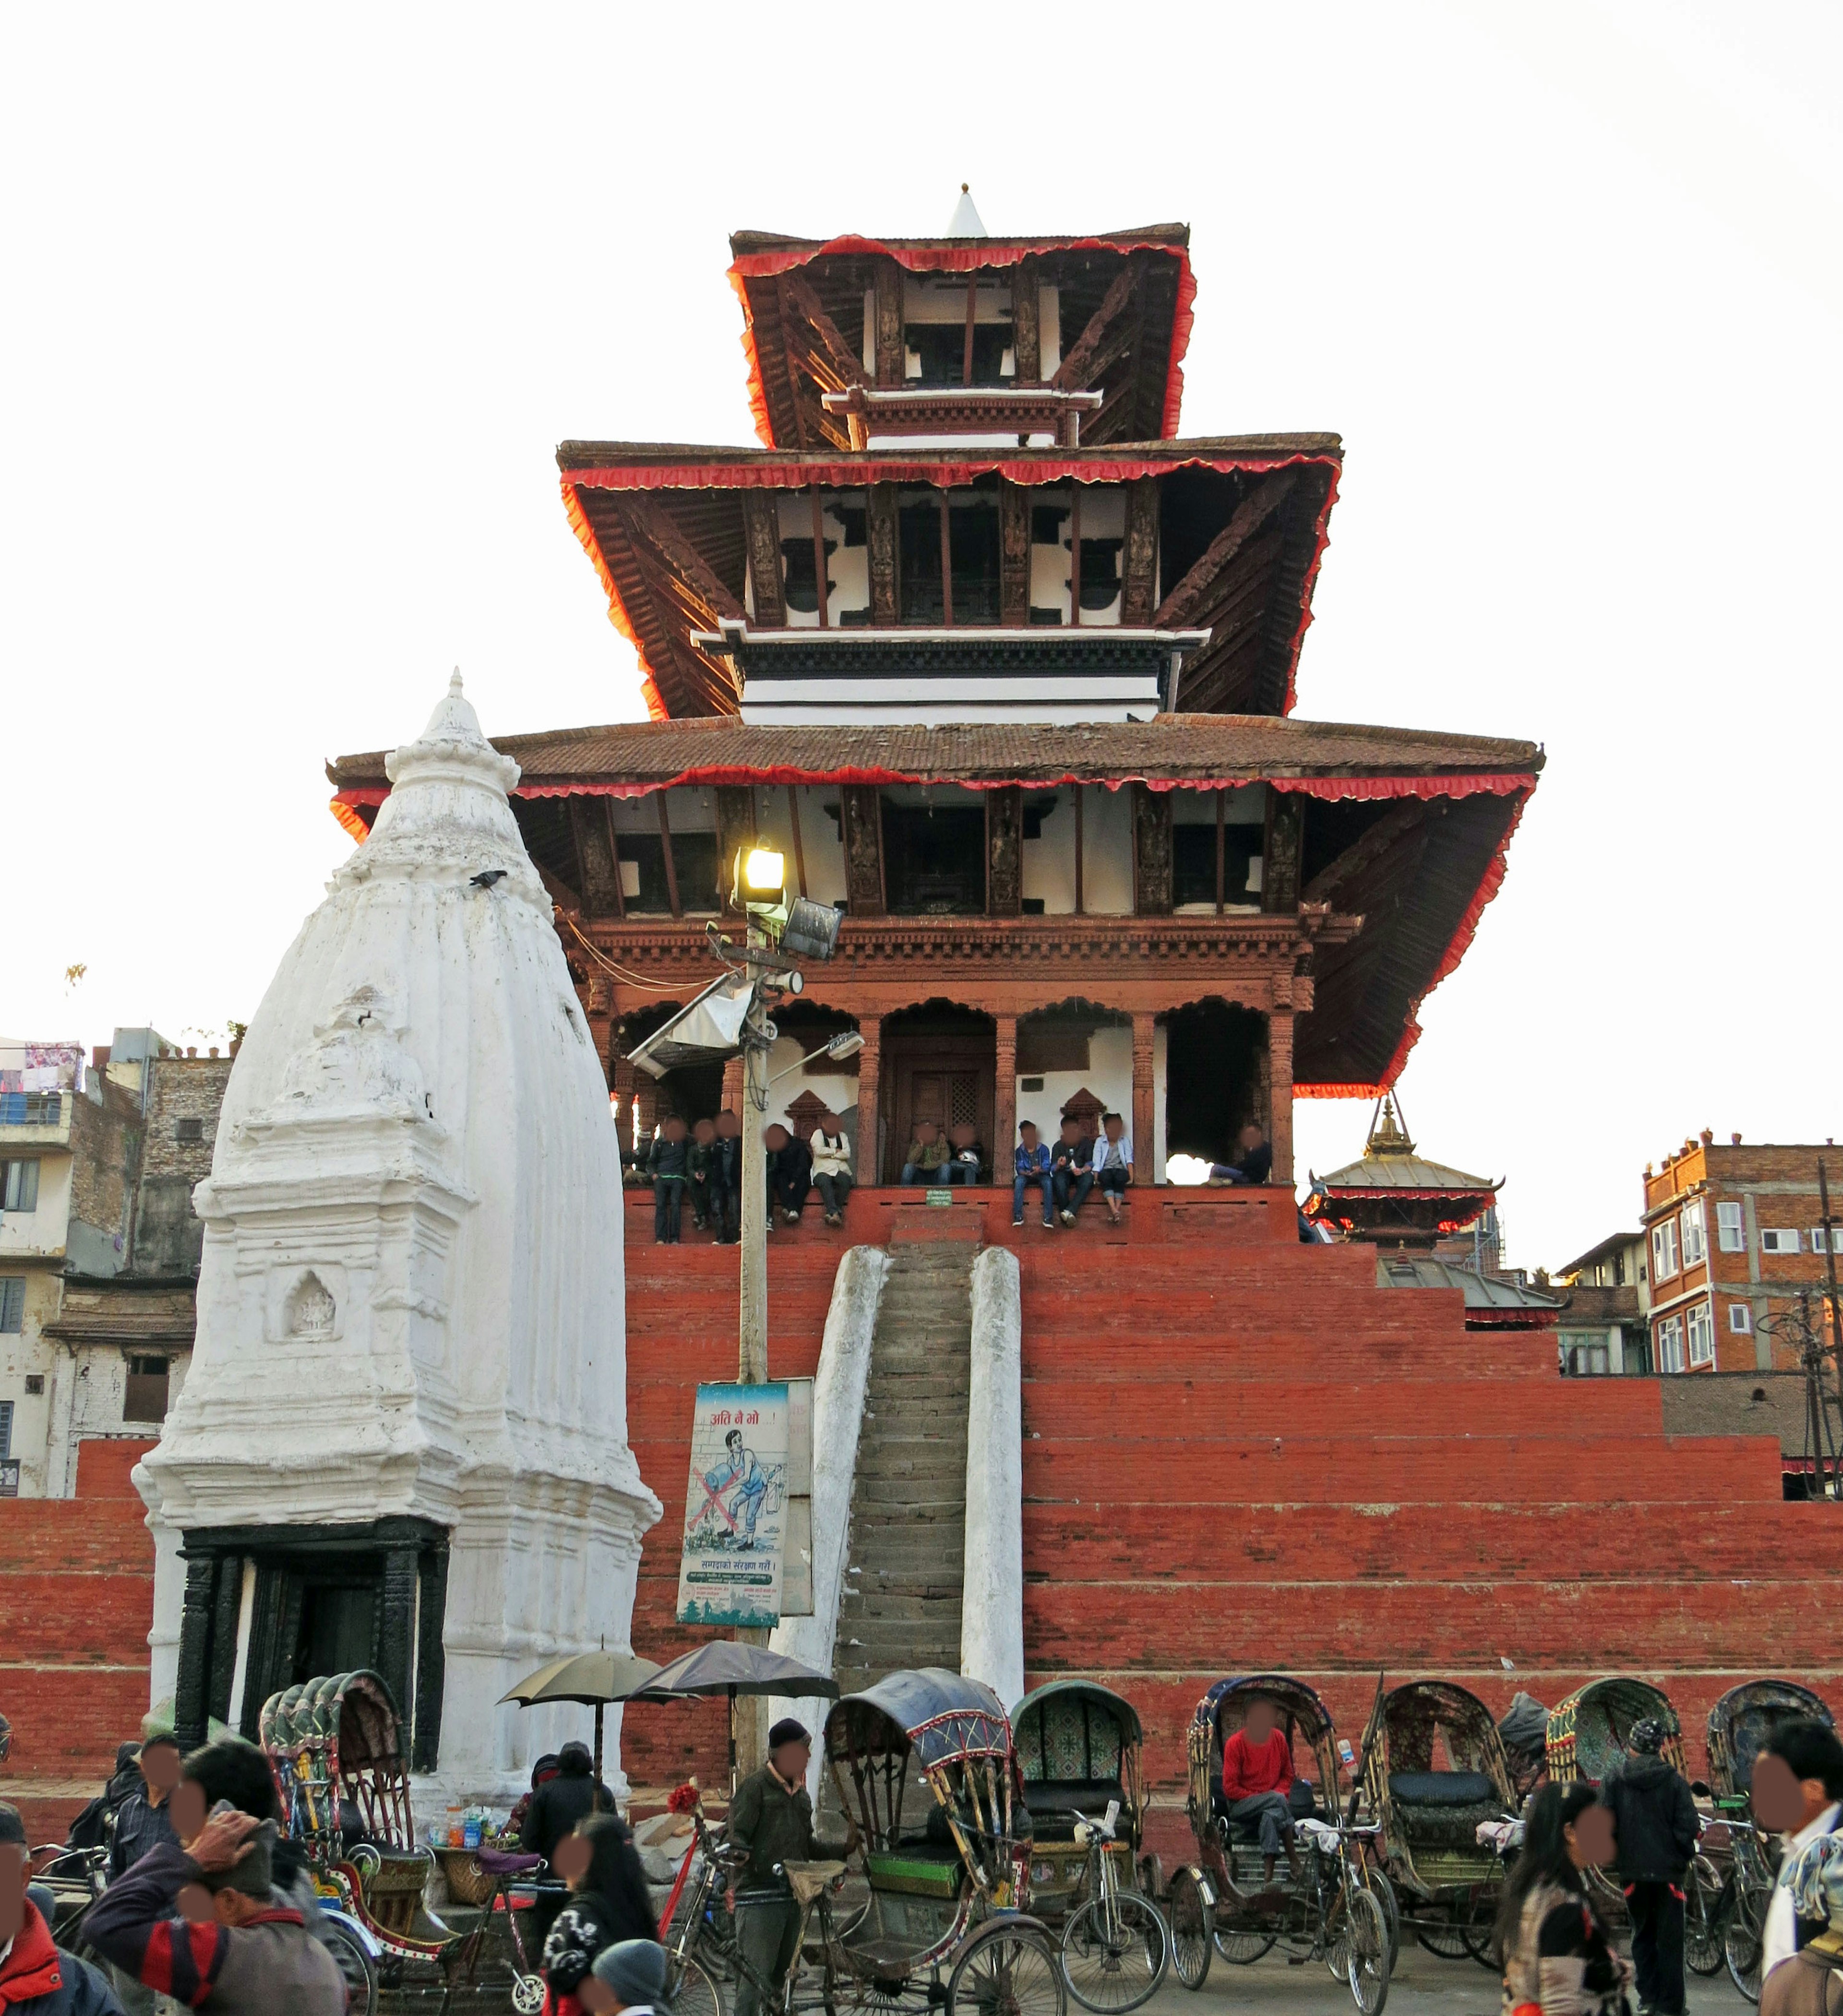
column 940, row 1063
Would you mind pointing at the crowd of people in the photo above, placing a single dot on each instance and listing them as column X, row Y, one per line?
column 700, row 1163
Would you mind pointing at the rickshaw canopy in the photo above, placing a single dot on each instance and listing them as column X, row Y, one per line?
column 1587, row 1732
column 1060, row 1704
column 1304, row 1709
column 353, row 1712
column 939, row 1716
column 1740, row 1722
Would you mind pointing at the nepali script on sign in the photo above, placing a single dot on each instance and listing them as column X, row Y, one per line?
column 735, row 1507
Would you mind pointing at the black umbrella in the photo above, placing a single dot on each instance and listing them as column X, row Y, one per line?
column 724, row 1667
column 594, row 1679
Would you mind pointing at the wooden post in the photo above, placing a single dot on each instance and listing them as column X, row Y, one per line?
column 614, row 856
column 818, row 557
column 887, row 285
column 869, row 1163
column 1222, row 815
column 1004, row 1122
column 1079, row 851
column 1142, row 1098
column 799, row 851
column 1026, row 343
column 1075, row 556
column 1279, row 1072
column 671, row 870
column 946, row 567
column 972, row 316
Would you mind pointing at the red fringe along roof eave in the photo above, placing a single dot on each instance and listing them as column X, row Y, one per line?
column 964, row 259
column 853, row 474
column 656, row 709
column 343, row 804
column 1321, row 538
column 1457, row 947
column 758, row 391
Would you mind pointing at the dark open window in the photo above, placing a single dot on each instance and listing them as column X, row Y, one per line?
column 918, row 563
column 148, row 1385
column 800, row 580
column 694, row 858
column 1100, row 572
column 941, row 345
column 934, row 859
column 973, row 533
column 1194, row 863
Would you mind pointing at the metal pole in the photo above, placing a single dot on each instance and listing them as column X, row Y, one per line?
column 1830, row 1296
column 746, row 1748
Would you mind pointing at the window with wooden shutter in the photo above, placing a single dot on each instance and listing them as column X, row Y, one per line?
column 1701, row 1335
column 12, row 1304
column 18, row 1184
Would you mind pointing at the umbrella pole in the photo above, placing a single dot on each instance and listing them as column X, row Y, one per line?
column 595, row 1799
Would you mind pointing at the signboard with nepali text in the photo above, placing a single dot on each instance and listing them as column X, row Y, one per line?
column 735, row 1507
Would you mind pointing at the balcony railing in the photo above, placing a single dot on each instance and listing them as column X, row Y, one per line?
column 31, row 1109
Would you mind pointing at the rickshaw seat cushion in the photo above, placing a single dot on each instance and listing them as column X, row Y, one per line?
column 495, row 1862
column 1053, row 1802
column 1441, row 1788
column 915, row 1869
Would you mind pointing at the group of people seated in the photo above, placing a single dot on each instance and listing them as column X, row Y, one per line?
column 703, row 1162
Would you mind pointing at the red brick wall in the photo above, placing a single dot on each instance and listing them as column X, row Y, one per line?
column 76, row 1601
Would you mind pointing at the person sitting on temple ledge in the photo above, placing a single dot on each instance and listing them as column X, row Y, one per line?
column 790, row 1174
column 698, row 1159
column 1113, row 1164
column 966, row 1155
column 668, row 1165
column 1032, row 1160
column 927, row 1155
column 832, row 1165
column 726, row 1178
column 1256, row 1165
column 1071, row 1164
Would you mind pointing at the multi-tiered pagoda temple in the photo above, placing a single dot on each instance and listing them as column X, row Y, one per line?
column 1006, row 667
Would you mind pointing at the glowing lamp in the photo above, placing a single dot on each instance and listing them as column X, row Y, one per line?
column 764, row 873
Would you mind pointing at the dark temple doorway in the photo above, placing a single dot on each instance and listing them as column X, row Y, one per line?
column 939, row 1063
column 1216, row 1078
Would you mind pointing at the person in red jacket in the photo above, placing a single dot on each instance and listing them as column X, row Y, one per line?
column 1257, row 1776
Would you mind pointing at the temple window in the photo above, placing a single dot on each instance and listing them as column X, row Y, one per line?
column 667, row 849
column 934, row 852
column 1216, row 840
column 969, row 542
column 935, row 350
column 836, row 521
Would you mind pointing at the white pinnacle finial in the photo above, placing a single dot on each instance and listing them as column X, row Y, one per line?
column 966, row 223
column 454, row 685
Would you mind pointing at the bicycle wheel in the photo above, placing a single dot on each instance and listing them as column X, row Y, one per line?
column 1443, row 1931
column 1365, row 1939
column 1188, row 1913
column 1241, row 1946
column 355, row 1965
column 1114, row 1951
column 1006, row 1969
column 691, row 1988
column 1740, row 1948
column 1702, row 1924
column 1384, row 1891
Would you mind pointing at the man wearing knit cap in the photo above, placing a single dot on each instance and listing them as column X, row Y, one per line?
column 1656, row 1818
column 200, row 1924
column 627, row 1976
column 771, row 1823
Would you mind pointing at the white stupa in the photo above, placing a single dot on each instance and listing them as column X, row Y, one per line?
column 410, row 1370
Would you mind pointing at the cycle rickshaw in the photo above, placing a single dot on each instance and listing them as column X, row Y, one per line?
column 1745, row 1858
column 1220, row 1902
column 927, row 1907
column 334, row 1748
column 1435, row 1771
column 1079, row 1751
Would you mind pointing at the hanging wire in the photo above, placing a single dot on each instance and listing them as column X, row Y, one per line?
column 621, row 972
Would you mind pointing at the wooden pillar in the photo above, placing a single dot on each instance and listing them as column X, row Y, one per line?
column 867, row 1167
column 1279, row 1072
column 1004, row 1111
column 397, row 1631
column 191, row 1705
column 1142, row 1098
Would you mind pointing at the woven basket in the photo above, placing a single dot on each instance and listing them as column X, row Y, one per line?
column 467, row 1882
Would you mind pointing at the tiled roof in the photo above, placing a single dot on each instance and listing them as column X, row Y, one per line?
column 1204, row 748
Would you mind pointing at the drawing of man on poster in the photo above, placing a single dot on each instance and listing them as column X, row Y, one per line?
column 740, row 1472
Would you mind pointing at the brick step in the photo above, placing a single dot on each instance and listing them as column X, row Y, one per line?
column 1165, row 1410
column 1654, row 1618
column 1298, row 1542
column 1311, row 1467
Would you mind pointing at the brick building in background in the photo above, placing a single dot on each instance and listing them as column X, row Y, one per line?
column 1733, row 1232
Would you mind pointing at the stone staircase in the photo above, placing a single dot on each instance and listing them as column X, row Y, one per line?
column 901, row 1602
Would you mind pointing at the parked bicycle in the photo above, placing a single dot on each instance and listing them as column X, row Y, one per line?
column 1116, row 1946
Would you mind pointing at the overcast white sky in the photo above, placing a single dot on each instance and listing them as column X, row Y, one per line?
column 299, row 304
